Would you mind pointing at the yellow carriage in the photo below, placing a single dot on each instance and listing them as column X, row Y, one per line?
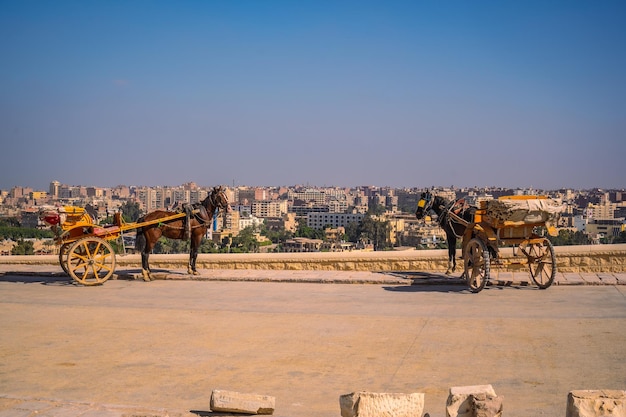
column 511, row 220
column 85, row 253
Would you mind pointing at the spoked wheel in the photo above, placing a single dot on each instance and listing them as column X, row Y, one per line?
column 541, row 262
column 63, row 252
column 476, row 260
column 91, row 261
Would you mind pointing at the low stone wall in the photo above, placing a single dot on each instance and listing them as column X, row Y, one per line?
column 592, row 258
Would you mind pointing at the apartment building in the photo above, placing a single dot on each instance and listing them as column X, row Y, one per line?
column 249, row 221
column 605, row 210
column 310, row 194
column 269, row 208
column 598, row 228
column 245, row 195
column 334, row 220
column 287, row 222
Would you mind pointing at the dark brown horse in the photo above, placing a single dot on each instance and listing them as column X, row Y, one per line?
column 454, row 229
column 200, row 218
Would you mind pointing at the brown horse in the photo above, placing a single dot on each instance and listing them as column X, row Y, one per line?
column 200, row 219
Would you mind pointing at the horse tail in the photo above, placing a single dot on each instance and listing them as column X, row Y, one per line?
column 140, row 240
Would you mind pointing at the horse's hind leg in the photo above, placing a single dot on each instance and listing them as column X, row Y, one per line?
column 145, row 267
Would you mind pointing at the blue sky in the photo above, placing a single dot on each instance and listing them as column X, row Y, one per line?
column 346, row 93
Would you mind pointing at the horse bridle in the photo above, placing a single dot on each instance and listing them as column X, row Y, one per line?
column 218, row 203
column 427, row 204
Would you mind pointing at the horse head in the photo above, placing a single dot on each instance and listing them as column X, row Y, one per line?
column 424, row 205
column 219, row 200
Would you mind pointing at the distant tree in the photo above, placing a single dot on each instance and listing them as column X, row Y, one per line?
column 305, row 231
column 245, row 241
column 353, row 232
column 376, row 231
column 276, row 236
column 376, row 210
column 163, row 245
column 16, row 233
column 208, row 246
column 130, row 211
column 567, row 237
column 23, row 247
column 9, row 222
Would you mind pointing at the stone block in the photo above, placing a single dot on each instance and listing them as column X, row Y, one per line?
column 371, row 404
column 461, row 400
column 486, row 405
column 596, row 403
column 237, row 402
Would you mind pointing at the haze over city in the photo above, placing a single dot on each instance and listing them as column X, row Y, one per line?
column 397, row 93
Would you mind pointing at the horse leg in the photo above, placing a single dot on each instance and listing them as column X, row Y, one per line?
column 191, row 268
column 451, row 253
column 193, row 255
column 145, row 266
column 152, row 236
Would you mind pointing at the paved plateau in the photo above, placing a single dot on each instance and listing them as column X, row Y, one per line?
column 42, row 407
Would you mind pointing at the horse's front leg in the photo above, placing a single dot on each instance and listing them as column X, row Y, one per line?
column 451, row 254
column 453, row 259
column 451, row 264
column 191, row 268
column 145, row 267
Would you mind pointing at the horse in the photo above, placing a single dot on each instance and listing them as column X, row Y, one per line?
column 194, row 227
column 453, row 228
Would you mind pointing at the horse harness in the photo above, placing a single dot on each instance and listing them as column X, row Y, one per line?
column 457, row 208
column 195, row 211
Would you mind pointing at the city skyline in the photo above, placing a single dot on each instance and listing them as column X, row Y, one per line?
column 196, row 185
column 399, row 94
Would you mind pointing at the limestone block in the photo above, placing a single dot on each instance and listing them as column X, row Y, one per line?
column 370, row 404
column 460, row 402
column 596, row 403
column 486, row 405
column 236, row 402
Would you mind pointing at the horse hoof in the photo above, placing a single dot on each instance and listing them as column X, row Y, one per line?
column 448, row 272
column 146, row 276
column 195, row 273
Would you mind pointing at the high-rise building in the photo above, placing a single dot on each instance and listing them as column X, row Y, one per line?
column 55, row 186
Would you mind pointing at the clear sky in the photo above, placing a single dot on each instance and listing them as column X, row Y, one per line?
column 263, row 92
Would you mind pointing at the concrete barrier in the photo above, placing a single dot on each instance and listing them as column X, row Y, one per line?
column 591, row 258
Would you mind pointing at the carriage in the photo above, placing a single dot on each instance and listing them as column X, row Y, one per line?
column 511, row 220
column 86, row 255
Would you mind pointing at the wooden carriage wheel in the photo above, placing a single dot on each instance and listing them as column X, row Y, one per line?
column 91, row 261
column 63, row 252
column 476, row 261
column 541, row 262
